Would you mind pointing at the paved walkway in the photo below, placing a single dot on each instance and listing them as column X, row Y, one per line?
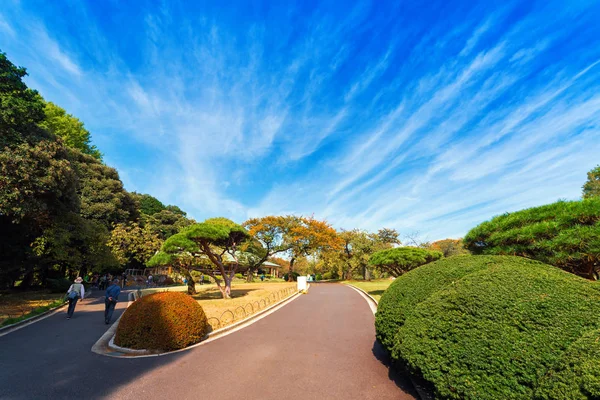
column 320, row 346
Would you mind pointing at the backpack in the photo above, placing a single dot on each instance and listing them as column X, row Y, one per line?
column 75, row 293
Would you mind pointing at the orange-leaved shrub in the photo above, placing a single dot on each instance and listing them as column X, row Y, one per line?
column 162, row 321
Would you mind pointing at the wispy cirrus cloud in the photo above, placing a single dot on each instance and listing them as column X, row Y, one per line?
column 373, row 115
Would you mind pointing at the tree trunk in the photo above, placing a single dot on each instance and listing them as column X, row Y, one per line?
column 250, row 277
column 27, row 280
column 291, row 270
column 226, row 288
column 190, row 283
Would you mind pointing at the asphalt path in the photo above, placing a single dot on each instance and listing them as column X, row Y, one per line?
column 319, row 346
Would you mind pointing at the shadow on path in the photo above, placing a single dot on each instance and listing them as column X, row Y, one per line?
column 401, row 379
column 52, row 358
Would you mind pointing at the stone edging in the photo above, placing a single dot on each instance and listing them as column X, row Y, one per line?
column 370, row 300
column 106, row 346
column 21, row 324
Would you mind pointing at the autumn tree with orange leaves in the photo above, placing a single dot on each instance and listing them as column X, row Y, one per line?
column 293, row 236
column 307, row 236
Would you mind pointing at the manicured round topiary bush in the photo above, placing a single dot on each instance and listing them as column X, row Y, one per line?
column 162, row 321
column 494, row 327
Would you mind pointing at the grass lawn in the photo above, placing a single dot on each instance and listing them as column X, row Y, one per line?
column 247, row 299
column 17, row 304
column 375, row 288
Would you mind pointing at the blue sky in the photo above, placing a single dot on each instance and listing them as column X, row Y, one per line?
column 424, row 117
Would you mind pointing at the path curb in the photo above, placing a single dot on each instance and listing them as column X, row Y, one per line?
column 105, row 345
column 21, row 324
column 365, row 293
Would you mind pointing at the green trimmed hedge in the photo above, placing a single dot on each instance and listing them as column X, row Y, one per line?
column 162, row 321
column 494, row 327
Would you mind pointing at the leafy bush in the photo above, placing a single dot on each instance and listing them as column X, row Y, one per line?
column 162, row 321
column 330, row 275
column 295, row 276
column 60, row 285
column 318, row 277
column 493, row 327
column 577, row 374
column 565, row 234
column 239, row 276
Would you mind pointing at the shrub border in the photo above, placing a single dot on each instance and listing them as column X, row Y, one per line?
column 105, row 345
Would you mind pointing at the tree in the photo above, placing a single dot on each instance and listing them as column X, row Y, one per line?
column 147, row 204
column 36, row 182
column 269, row 234
column 305, row 236
column 449, row 247
column 73, row 246
column 591, row 188
column 134, row 245
column 69, row 128
column 21, row 108
column 205, row 242
column 358, row 247
column 388, row 236
column 101, row 192
column 180, row 254
column 166, row 223
column 565, row 234
column 400, row 260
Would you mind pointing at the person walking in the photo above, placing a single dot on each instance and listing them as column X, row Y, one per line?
column 202, row 279
column 112, row 296
column 76, row 291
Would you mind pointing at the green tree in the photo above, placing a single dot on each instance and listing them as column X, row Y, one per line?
column 103, row 198
column 565, row 234
column 21, row 108
column 359, row 246
column 399, row 260
column 37, row 186
column 591, row 188
column 69, row 128
column 166, row 223
column 183, row 261
column 198, row 244
column 134, row 245
column 37, row 182
column 148, row 205
column 73, row 246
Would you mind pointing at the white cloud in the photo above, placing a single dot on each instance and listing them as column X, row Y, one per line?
column 436, row 137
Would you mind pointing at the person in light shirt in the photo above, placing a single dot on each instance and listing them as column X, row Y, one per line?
column 76, row 291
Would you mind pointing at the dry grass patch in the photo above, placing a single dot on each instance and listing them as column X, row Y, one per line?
column 16, row 304
column 374, row 288
column 247, row 299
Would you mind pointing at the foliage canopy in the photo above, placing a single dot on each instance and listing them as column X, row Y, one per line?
column 565, row 234
column 591, row 187
column 400, row 260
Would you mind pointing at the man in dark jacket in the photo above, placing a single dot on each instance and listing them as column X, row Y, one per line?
column 112, row 296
